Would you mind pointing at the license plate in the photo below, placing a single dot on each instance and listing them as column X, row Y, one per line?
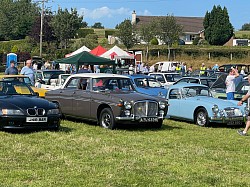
column 147, row 120
column 36, row 119
column 234, row 123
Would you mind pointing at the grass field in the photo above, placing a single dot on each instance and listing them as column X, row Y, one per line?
column 179, row 154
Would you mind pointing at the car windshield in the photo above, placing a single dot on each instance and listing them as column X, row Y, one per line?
column 147, row 83
column 15, row 88
column 112, row 84
column 48, row 74
column 195, row 91
column 21, row 79
column 172, row 77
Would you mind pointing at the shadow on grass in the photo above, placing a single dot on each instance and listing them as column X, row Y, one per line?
column 30, row 131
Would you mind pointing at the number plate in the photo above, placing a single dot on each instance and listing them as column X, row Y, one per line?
column 36, row 119
column 234, row 123
column 148, row 120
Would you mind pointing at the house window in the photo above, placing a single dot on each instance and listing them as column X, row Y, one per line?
column 192, row 37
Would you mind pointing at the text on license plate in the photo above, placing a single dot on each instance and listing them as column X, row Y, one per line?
column 234, row 123
column 36, row 119
column 147, row 120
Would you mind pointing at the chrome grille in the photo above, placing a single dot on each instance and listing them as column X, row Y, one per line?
column 232, row 112
column 146, row 108
column 36, row 111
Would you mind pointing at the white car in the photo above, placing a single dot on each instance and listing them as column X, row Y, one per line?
column 166, row 66
column 54, row 82
column 166, row 79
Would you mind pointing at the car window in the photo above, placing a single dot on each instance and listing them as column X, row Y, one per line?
column 38, row 75
column 194, row 81
column 72, row 84
column 160, row 78
column 195, row 91
column 174, row 94
column 183, row 80
column 169, row 77
column 112, row 84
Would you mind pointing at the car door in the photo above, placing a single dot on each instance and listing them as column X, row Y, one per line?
column 65, row 96
column 174, row 103
column 81, row 98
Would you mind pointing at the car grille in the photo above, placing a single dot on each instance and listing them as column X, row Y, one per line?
column 35, row 111
column 232, row 112
column 146, row 108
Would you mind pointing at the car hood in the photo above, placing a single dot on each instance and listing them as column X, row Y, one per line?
column 152, row 91
column 214, row 101
column 132, row 96
column 24, row 102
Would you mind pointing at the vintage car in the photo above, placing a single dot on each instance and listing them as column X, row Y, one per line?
column 193, row 102
column 147, row 85
column 166, row 79
column 20, row 108
column 25, row 79
column 108, row 99
column 54, row 82
column 45, row 75
column 208, row 81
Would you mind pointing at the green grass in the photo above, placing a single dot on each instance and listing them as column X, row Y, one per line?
column 179, row 154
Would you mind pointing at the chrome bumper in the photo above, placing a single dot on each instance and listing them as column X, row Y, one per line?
column 136, row 118
column 218, row 119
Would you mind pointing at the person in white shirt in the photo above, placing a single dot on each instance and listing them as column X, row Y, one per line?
column 230, row 83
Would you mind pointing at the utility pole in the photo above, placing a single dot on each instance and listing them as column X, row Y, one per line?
column 41, row 29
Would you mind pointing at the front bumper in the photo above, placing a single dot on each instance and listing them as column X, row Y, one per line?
column 237, row 120
column 139, row 118
column 19, row 122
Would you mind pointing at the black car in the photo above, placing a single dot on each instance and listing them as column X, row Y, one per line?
column 21, row 108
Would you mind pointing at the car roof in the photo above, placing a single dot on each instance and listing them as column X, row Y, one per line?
column 139, row 76
column 98, row 75
column 181, row 85
column 198, row 78
column 166, row 73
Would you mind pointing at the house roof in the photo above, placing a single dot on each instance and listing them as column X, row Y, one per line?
column 190, row 24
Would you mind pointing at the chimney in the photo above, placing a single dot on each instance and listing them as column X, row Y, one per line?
column 133, row 18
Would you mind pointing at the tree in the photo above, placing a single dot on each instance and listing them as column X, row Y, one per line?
column 147, row 33
column 17, row 18
column 168, row 31
column 48, row 33
column 84, row 24
column 218, row 29
column 245, row 27
column 98, row 25
column 125, row 33
column 65, row 24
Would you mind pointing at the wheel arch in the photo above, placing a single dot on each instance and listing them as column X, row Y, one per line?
column 100, row 108
column 195, row 111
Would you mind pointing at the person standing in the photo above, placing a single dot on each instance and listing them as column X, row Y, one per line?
column 230, row 83
column 84, row 69
column 245, row 98
column 28, row 71
column 202, row 69
column 12, row 70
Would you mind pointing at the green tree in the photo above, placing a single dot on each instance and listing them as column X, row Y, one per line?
column 168, row 31
column 245, row 27
column 65, row 25
column 98, row 25
column 218, row 29
column 147, row 32
column 17, row 18
column 125, row 33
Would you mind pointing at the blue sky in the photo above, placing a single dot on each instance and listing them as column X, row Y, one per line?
column 112, row 12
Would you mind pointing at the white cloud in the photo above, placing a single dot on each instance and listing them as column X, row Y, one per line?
column 104, row 12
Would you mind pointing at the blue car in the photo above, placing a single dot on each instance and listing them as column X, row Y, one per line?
column 194, row 102
column 147, row 85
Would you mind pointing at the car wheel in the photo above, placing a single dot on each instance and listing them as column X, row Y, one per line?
column 107, row 119
column 201, row 117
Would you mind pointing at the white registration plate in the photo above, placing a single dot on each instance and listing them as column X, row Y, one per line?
column 148, row 120
column 36, row 119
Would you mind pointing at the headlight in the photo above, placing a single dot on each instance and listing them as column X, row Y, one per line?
column 237, row 112
column 53, row 111
column 215, row 109
column 162, row 105
column 11, row 112
column 127, row 105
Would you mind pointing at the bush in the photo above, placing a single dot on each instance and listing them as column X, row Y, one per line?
column 82, row 33
column 196, row 40
column 154, row 41
column 110, row 32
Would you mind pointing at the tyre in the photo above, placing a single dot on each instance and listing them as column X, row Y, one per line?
column 201, row 117
column 107, row 119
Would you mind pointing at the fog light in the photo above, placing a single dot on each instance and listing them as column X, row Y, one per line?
column 161, row 112
column 127, row 112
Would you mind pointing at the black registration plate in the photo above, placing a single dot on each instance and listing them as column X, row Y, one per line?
column 234, row 123
column 148, row 120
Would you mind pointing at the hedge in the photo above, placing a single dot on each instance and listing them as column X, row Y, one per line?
column 82, row 33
